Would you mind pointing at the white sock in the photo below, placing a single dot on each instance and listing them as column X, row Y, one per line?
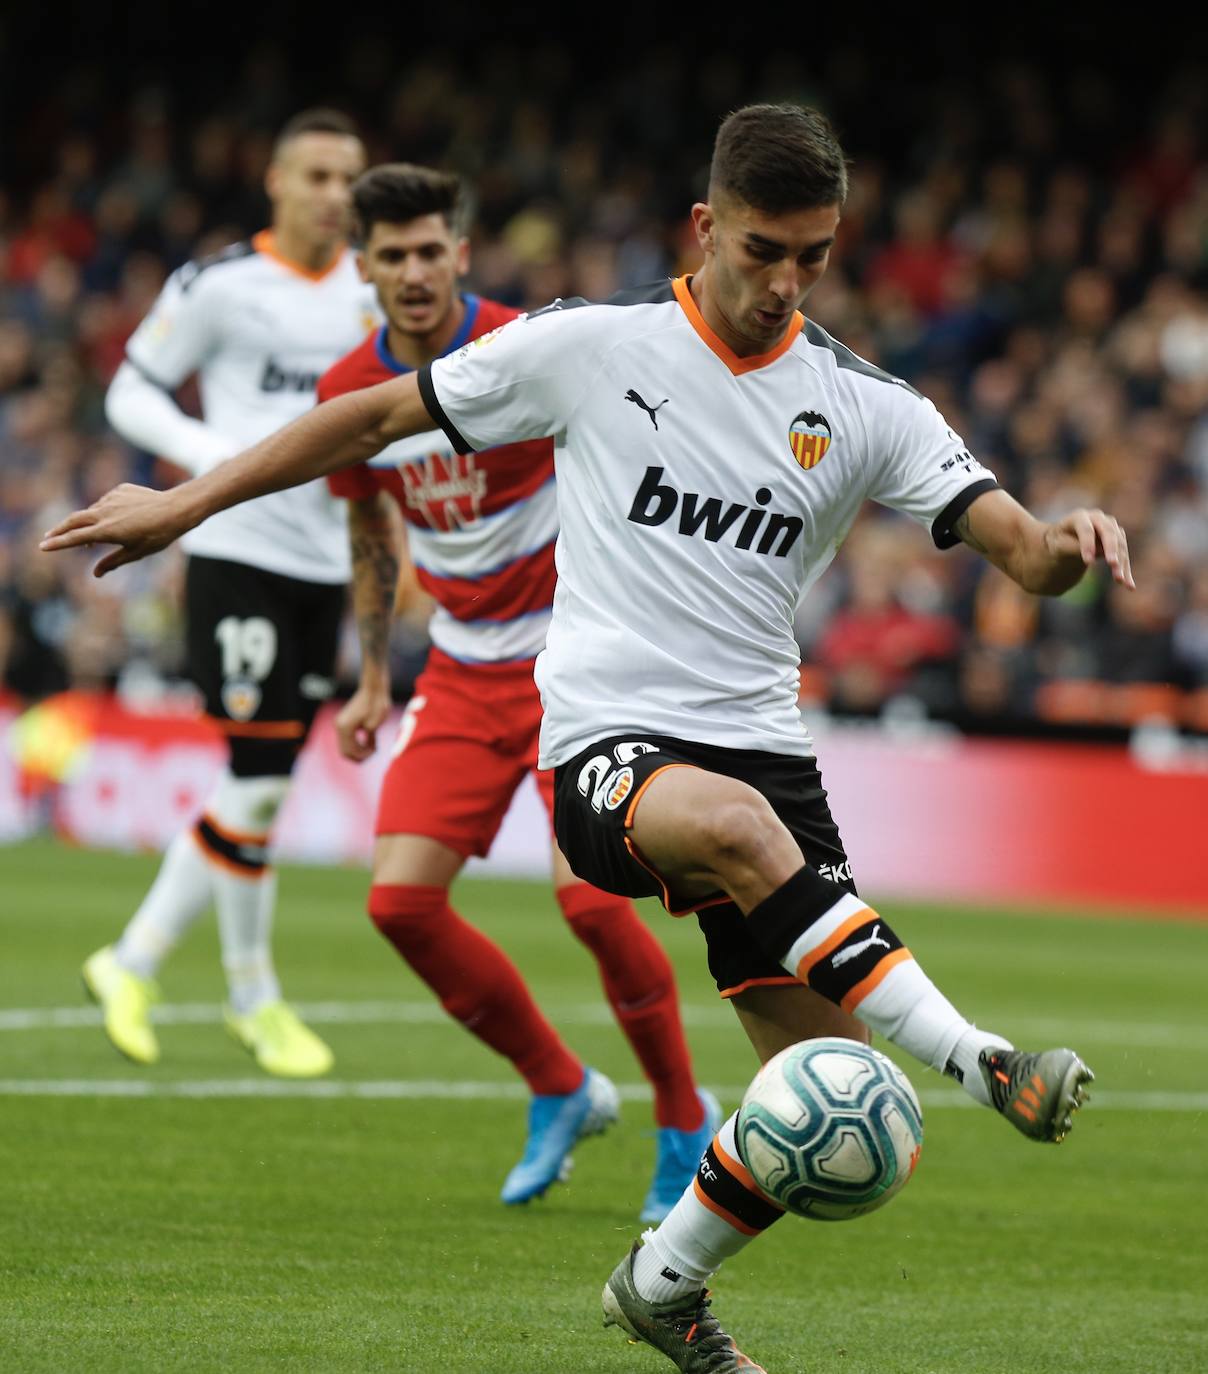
column 658, row 1276
column 247, row 807
column 245, row 923
column 690, row 1243
column 963, row 1066
column 182, row 890
column 897, row 1000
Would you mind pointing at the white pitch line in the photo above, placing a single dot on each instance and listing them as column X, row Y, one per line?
column 434, row 1089
column 210, row 1013
column 1130, row 1034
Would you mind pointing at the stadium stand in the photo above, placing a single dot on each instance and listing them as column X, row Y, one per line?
column 1031, row 255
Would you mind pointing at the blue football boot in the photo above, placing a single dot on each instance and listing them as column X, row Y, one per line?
column 556, row 1123
column 678, row 1158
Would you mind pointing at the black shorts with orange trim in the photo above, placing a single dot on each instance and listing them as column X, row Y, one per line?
column 262, row 651
column 595, row 798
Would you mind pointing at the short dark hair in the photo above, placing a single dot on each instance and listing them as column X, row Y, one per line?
column 320, row 120
column 779, row 157
column 397, row 192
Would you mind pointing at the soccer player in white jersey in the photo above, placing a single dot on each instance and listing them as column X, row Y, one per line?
column 258, row 324
column 712, row 449
column 480, row 531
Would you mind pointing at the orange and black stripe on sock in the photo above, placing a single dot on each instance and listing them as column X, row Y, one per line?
column 719, row 1214
column 243, row 856
column 848, row 953
column 724, row 1186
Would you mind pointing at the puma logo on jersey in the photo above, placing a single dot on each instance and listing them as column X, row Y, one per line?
column 278, row 378
column 633, row 396
column 710, row 517
column 854, row 951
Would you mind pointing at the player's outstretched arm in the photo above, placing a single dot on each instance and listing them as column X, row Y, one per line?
column 1046, row 559
column 342, row 431
column 146, row 415
column 375, row 566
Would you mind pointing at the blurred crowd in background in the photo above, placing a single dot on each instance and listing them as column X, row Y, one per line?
column 1031, row 254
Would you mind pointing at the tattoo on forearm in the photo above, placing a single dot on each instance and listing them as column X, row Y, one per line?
column 965, row 534
column 374, row 578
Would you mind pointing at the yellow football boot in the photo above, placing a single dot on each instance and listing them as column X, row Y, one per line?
column 279, row 1042
column 125, row 1000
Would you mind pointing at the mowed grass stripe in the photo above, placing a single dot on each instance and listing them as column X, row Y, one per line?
column 444, row 1090
column 1150, row 1034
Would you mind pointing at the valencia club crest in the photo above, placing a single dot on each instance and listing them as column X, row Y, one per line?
column 809, row 438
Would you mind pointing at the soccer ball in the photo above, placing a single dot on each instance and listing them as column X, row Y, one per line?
column 830, row 1129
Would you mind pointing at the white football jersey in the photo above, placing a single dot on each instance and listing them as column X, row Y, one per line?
column 700, row 496
column 259, row 332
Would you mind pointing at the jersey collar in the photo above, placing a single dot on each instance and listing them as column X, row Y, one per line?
column 462, row 337
column 265, row 242
column 738, row 366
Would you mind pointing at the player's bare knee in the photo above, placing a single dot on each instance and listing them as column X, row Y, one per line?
column 741, row 831
column 414, row 862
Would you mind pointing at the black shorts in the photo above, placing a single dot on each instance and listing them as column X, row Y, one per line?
column 261, row 647
column 595, row 797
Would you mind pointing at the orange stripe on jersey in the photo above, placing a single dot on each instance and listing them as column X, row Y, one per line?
column 737, row 365
column 266, row 242
column 718, row 1210
column 261, row 729
column 828, row 946
column 874, row 979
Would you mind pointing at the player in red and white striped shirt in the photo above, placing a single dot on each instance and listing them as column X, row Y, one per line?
column 481, row 530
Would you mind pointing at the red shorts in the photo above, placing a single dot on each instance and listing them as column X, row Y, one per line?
column 467, row 741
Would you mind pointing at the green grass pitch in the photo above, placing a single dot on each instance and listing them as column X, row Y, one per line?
column 207, row 1225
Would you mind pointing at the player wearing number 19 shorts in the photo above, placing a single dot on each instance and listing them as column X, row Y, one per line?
column 481, row 532
column 265, row 585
